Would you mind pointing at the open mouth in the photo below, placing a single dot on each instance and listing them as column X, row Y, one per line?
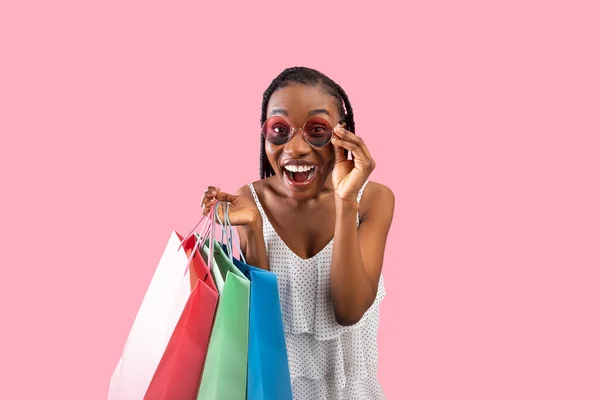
column 300, row 174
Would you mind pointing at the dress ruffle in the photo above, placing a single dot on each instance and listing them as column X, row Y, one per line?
column 322, row 389
column 337, row 361
column 316, row 316
column 337, row 365
column 340, row 367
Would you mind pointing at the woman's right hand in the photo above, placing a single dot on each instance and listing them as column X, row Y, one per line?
column 242, row 211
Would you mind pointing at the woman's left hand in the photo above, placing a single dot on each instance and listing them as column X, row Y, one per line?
column 350, row 175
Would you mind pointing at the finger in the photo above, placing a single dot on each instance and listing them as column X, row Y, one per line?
column 348, row 136
column 211, row 190
column 341, row 143
column 207, row 206
column 207, row 196
column 210, row 193
column 364, row 155
column 338, row 150
column 208, row 203
column 222, row 196
column 358, row 154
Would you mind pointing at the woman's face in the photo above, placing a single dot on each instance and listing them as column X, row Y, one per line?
column 298, row 103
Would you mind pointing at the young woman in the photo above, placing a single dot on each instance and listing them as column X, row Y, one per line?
column 315, row 220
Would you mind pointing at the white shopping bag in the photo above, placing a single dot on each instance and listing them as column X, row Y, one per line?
column 154, row 324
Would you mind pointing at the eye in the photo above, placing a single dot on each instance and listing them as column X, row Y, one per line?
column 318, row 130
column 279, row 129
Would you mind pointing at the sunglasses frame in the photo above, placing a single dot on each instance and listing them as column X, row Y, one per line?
column 293, row 131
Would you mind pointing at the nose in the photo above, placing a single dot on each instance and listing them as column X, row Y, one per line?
column 297, row 146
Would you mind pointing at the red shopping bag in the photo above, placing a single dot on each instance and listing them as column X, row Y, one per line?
column 180, row 369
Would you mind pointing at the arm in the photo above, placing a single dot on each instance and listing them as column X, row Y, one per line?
column 357, row 257
column 252, row 240
column 253, row 246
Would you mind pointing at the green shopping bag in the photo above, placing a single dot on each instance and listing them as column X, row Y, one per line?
column 226, row 367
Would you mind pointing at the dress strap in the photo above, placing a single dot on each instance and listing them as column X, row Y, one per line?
column 362, row 189
column 360, row 193
column 257, row 201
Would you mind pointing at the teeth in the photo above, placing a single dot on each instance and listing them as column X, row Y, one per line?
column 299, row 168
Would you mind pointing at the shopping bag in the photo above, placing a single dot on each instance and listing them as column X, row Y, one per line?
column 268, row 368
column 225, row 371
column 178, row 373
column 154, row 323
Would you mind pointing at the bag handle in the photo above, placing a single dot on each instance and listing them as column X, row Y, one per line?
column 228, row 236
column 194, row 228
column 224, row 230
column 231, row 237
column 208, row 230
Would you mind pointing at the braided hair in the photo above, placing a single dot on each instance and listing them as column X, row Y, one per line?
column 305, row 76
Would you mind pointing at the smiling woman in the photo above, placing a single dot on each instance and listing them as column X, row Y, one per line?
column 317, row 222
column 309, row 110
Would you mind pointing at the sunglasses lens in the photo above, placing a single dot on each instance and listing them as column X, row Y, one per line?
column 276, row 130
column 318, row 131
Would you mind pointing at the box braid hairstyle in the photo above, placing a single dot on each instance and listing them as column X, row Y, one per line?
column 310, row 77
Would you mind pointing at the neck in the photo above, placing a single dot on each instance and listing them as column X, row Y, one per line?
column 325, row 192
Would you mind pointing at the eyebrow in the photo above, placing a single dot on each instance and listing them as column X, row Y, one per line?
column 318, row 111
column 280, row 111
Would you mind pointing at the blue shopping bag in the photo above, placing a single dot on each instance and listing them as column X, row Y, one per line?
column 268, row 368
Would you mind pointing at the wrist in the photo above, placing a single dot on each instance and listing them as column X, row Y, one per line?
column 253, row 229
column 254, row 245
column 343, row 205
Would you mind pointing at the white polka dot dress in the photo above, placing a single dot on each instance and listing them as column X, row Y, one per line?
column 327, row 361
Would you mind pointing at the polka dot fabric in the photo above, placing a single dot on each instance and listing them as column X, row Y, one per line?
column 327, row 361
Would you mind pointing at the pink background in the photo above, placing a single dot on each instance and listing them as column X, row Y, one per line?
column 483, row 118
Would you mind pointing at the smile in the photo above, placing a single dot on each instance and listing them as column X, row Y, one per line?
column 300, row 175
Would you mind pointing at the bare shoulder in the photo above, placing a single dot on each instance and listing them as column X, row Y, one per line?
column 260, row 187
column 245, row 192
column 377, row 194
column 377, row 199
